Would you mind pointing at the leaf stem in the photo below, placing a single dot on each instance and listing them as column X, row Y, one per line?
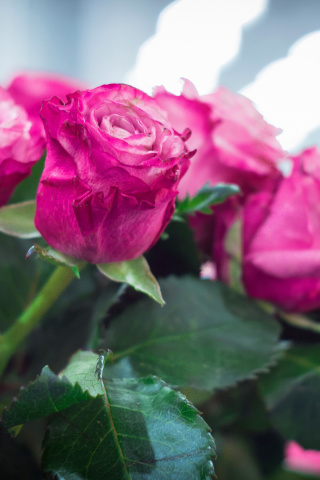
column 25, row 323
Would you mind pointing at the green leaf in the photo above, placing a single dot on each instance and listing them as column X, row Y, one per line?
column 292, row 392
column 178, row 254
column 126, row 428
column 136, row 273
column 18, row 220
column 205, row 337
column 205, row 198
column 56, row 258
column 48, row 394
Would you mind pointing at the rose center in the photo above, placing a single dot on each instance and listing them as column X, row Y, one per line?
column 122, row 126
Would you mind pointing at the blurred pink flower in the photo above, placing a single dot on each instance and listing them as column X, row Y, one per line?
column 281, row 239
column 19, row 148
column 30, row 89
column 300, row 460
column 234, row 143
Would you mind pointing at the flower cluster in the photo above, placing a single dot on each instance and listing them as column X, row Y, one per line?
column 117, row 158
column 278, row 214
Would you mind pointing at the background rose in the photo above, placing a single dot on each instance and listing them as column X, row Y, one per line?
column 29, row 89
column 281, row 239
column 300, row 460
column 19, row 149
column 112, row 168
column 234, row 145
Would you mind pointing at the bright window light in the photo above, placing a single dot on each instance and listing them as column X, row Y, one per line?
column 194, row 39
column 287, row 92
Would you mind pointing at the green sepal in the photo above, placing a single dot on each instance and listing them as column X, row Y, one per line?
column 56, row 258
column 135, row 273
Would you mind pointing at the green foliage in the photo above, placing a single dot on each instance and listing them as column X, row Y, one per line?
column 205, row 198
column 178, row 253
column 125, row 428
column 18, row 220
column 206, row 336
column 19, row 279
column 135, row 273
column 292, row 392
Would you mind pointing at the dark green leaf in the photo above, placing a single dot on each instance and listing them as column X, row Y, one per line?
column 56, row 258
column 19, row 279
column 48, row 394
column 130, row 428
column 18, row 220
column 206, row 336
column 178, row 254
column 205, row 198
column 292, row 392
column 135, row 273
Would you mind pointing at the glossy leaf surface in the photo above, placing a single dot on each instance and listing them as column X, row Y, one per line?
column 126, row 428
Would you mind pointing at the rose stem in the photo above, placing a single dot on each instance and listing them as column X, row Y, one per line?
column 25, row 323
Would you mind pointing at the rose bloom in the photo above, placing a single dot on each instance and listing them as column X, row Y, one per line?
column 30, row 89
column 281, row 239
column 19, row 149
column 300, row 460
column 111, row 174
column 234, row 145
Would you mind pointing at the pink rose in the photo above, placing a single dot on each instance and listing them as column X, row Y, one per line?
column 19, row 149
column 234, row 144
column 111, row 174
column 29, row 89
column 281, row 239
column 300, row 460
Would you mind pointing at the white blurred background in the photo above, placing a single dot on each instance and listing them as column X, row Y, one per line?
column 268, row 50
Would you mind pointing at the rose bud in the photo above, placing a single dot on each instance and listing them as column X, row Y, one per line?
column 111, row 173
column 281, row 239
column 19, row 149
column 29, row 89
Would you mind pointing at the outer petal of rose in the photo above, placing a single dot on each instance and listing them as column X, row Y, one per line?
column 287, row 264
column 122, row 238
column 29, row 89
column 98, row 229
column 51, row 208
column 189, row 113
column 293, row 294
